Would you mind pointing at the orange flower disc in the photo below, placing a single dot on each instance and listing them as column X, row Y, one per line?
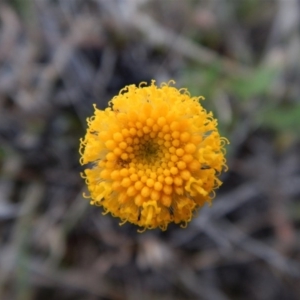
column 155, row 156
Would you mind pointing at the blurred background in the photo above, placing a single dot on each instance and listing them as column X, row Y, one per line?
column 59, row 57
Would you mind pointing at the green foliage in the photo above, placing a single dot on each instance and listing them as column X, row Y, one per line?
column 243, row 91
column 202, row 81
column 282, row 118
column 255, row 84
column 23, row 8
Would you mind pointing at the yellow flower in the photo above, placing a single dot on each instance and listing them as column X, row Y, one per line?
column 155, row 156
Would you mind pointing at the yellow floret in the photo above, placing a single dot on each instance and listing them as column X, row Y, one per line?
column 156, row 156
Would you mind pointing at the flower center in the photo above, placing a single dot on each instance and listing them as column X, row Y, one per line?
column 148, row 151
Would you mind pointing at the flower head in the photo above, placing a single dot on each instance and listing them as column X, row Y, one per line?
column 155, row 156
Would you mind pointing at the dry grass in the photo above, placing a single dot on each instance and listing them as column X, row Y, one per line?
column 57, row 58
